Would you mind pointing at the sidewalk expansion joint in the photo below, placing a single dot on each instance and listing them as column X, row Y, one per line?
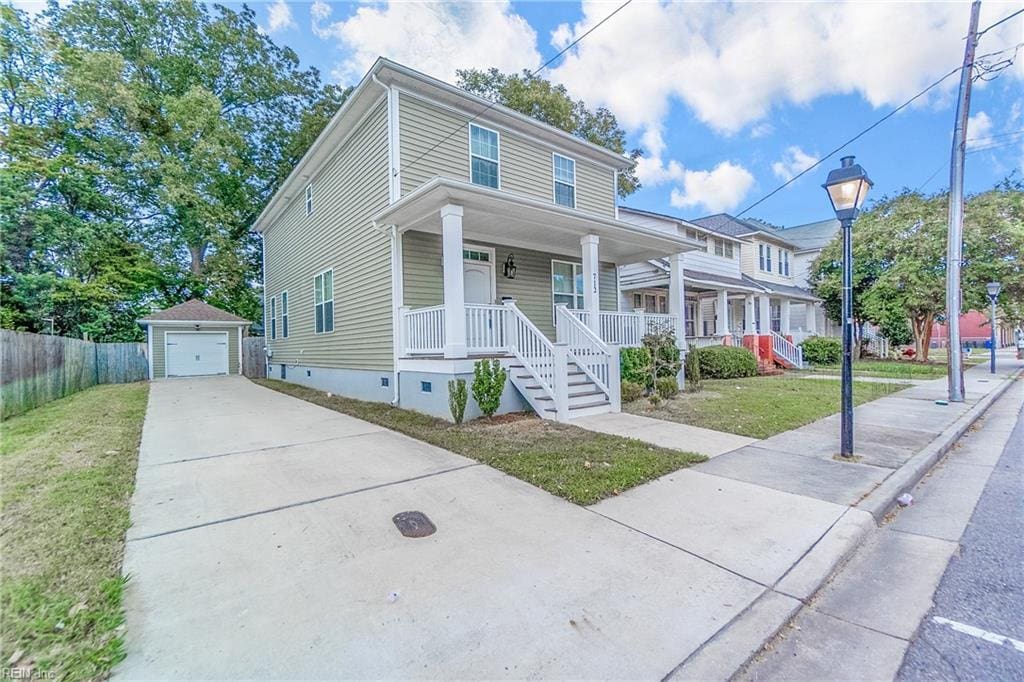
column 257, row 450
column 301, row 503
column 808, row 551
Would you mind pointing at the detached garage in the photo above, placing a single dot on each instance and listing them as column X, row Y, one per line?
column 194, row 339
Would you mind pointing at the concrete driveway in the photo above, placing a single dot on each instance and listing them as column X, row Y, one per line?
column 262, row 546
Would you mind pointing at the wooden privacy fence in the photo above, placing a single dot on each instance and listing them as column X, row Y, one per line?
column 35, row 369
column 254, row 361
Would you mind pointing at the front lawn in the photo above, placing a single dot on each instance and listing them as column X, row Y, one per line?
column 759, row 407
column 894, row 369
column 579, row 465
column 67, row 470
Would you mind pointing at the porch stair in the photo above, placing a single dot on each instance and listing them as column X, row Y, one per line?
column 585, row 397
column 785, row 353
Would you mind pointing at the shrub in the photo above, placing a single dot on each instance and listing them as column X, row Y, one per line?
column 457, row 399
column 655, row 399
column 488, row 385
column 692, row 371
column 630, row 391
column 725, row 362
column 667, row 387
column 635, row 364
column 664, row 354
column 822, row 350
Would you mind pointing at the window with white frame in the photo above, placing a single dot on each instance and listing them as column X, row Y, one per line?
column 273, row 318
column 767, row 258
column 483, row 156
column 565, row 181
column 723, row 248
column 323, row 302
column 284, row 314
column 567, row 284
column 760, row 256
column 691, row 318
column 785, row 262
column 776, row 315
column 309, row 199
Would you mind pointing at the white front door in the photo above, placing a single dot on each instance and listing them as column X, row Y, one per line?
column 478, row 282
column 191, row 354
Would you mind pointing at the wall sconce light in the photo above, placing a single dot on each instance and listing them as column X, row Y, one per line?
column 509, row 270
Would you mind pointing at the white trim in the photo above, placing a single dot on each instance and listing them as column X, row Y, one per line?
column 555, row 181
column 149, row 350
column 239, row 352
column 331, row 299
column 191, row 323
column 615, row 193
column 394, row 148
column 437, row 365
column 273, row 318
column 284, row 314
column 397, row 298
column 469, row 246
column 469, row 143
column 308, row 198
column 227, row 349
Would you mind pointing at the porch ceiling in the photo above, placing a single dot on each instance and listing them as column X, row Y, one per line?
column 498, row 216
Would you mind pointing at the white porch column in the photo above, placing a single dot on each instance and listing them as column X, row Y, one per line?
column 698, row 325
column 749, row 313
column 677, row 297
column 811, row 317
column 784, row 317
column 722, row 324
column 765, row 313
column 454, row 289
column 591, row 282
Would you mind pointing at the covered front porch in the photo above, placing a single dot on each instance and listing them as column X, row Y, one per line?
column 484, row 273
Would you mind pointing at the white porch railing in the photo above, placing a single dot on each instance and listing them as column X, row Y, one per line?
column 423, row 330
column 705, row 341
column 535, row 351
column 485, row 328
column 598, row 361
column 627, row 329
column 793, row 354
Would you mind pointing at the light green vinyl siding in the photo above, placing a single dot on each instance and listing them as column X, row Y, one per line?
column 423, row 278
column 348, row 190
column 526, row 167
column 160, row 349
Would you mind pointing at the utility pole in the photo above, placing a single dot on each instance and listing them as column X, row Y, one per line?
column 955, row 238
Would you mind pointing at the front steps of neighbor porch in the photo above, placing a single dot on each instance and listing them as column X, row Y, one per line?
column 585, row 398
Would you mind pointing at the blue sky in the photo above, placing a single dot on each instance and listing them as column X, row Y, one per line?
column 727, row 100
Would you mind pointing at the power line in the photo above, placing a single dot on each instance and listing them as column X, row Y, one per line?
column 1004, row 19
column 931, row 177
column 866, row 131
column 531, row 75
column 993, row 137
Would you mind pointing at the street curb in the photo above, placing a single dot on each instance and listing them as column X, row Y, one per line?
column 882, row 498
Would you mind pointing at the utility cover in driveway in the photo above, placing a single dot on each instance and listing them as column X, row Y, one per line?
column 414, row 524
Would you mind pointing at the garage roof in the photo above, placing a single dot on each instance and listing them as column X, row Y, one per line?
column 193, row 311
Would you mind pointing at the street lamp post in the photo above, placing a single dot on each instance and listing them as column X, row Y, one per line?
column 993, row 295
column 847, row 186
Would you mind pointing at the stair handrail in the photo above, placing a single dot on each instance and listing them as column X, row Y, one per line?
column 536, row 339
column 793, row 353
column 584, row 343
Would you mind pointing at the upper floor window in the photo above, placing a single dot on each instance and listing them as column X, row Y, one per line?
column 273, row 318
column 323, row 302
column 723, row 248
column 764, row 254
column 784, row 262
column 483, row 156
column 696, row 236
column 565, row 181
column 309, row 199
column 284, row 314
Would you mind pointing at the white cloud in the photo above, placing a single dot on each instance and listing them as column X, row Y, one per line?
column 720, row 189
column 794, row 161
column 979, row 127
column 319, row 10
column 279, row 16
column 436, row 38
column 561, row 36
column 732, row 63
column 762, row 129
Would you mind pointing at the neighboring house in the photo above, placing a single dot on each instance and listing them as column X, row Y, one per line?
column 740, row 284
column 810, row 239
column 193, row 339
column 427, row 227
column 975, row 331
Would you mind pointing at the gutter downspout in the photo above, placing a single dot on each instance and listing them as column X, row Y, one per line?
column 392, row 232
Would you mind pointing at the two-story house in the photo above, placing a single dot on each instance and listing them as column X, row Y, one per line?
column 426, row 228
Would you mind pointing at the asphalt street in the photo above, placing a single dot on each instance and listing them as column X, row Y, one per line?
column 976, row 628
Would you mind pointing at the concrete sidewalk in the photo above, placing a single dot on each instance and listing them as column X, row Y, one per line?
column 665, row 433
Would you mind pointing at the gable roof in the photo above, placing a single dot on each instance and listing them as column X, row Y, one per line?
column 741, row 227
column 376, row 84
column 682, row 222
column 193, row 310
column 812, row 236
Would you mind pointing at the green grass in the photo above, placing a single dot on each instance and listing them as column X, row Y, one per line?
column 67, row 470
column 579, row 465
column 899, row 369
column 759, row 407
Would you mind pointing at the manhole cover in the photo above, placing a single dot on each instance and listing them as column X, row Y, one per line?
column 414, row 524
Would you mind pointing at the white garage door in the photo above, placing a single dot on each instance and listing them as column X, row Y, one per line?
column 191, row 354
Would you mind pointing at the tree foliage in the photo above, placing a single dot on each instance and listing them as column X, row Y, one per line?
column 140, row 141
column 899, row 255
column 532, row 95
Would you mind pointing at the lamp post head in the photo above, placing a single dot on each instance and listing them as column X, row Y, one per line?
column 847, row 187
column 993, row 289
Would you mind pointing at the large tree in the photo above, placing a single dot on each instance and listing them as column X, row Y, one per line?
column 900, row 260
column 532, row 95
column 145, row 137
